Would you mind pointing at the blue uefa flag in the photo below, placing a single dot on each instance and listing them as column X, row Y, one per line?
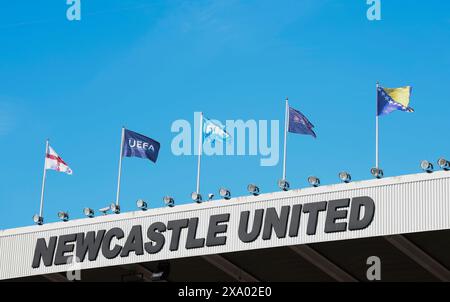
column 138, row 145
column 298, row 123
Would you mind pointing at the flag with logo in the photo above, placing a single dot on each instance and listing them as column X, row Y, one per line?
column 54, row 162
column 298, row 123
column 138, row 145
column 214, row 132
column 392, row 99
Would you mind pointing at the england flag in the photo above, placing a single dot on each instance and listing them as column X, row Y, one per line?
column 54, row 162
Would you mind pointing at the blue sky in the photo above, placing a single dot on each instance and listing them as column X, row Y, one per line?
column 145, row 64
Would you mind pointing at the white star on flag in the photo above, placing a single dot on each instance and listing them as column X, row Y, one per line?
column 54, row 162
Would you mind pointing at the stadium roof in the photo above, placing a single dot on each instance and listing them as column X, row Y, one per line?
column 408, row 231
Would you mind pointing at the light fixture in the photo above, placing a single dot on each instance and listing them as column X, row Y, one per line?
column 64, row 216
column 225, row 193
column 426, row 166
column 345, row 177
column 141, row 204
column 105, row 210
column 253, row 189
column 314, row 181
column 377, row 173
column 196, row 197
column 444, row 164
column 88, row 212
column 39, row 220
column 283, row 184
column 168, row 201
column 210, row 196
column 115, row 208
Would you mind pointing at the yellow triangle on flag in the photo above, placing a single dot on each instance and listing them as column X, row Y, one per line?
column 400, row 95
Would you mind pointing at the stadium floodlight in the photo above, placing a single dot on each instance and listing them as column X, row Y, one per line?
column 196, row 197
column 225, row 193
column 104, row 210
column 444, row 164
column 377, row 173
column 345, row 177
column 283, row 185
column 39, row 220
column 115, row 208
column 88, row 212
column 63, row 216
column 141, row 204
column 253, row 189
column 426, row 166
column 314, row 181
column 169, row 201
column 210, row 196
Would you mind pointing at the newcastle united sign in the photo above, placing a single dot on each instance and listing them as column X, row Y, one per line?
column 341, row 215
column 379, row 207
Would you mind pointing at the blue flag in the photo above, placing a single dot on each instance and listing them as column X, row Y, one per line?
column 392, row 99
column 214, row 132
column 138, row 145
column 298, row 123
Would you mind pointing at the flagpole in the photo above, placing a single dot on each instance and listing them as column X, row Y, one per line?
column 41, row 208
column 376, row 132
column 286, row 118
column 120, row 166
column 200, row 143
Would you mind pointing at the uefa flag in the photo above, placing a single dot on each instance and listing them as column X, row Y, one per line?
column 54, row 162
column 138, row 145
column 214, row 132
column 298, row 123
column 392, row 99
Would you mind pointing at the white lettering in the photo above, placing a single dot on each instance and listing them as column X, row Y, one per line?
column 74, row 11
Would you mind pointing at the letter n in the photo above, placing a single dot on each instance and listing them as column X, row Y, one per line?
column 45, row 252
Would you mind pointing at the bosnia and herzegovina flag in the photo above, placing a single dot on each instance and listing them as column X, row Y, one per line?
column 392, row 99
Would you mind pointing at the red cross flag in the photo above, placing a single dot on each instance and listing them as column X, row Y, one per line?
column 54, row 162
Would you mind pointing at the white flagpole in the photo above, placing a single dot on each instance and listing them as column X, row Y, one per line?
column 200, row 143
column 120, row 166
column 286, row 122
column 41, row 209
column 376, row 131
